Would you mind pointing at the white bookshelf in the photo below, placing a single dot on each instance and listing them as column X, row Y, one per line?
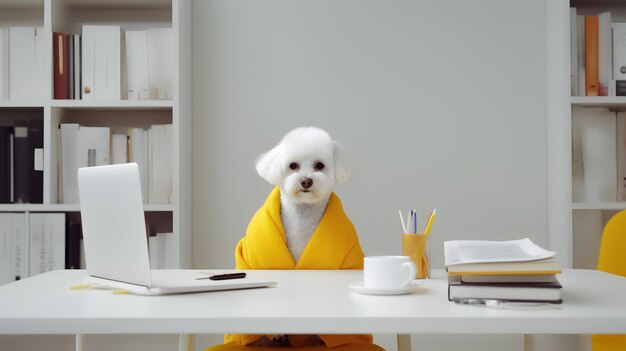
column 68, row 16
column 575, row 228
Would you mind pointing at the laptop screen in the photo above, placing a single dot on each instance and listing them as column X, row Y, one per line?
column 114, row 230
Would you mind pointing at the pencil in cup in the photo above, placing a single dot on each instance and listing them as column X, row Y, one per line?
column 417, row 246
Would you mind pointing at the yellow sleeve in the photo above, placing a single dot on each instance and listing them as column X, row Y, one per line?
column 333, row 340
column 241, row 339
column 354, row 258
column 240, row 255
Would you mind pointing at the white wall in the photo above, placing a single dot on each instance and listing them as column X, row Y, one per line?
column 442, row 104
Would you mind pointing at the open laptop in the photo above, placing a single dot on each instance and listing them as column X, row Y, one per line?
column 116, row 244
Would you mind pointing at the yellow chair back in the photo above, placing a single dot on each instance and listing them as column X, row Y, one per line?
column 612, row 259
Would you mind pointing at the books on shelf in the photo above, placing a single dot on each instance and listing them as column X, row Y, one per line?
column 46, row 242
column 81, row 146
column 519, row 292
column 150, row 148
column 595, row 150
column 598, row 50
column 163, row 249
column 13, row 247
column 514, row 270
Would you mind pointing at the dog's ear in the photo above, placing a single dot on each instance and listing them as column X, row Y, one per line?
column 342, row 168
column 268, row 166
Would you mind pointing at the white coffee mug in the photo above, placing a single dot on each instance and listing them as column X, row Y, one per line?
column 388, row 272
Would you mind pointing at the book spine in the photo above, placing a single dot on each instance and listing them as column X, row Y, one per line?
column 605, row 68
column 60, row 51
column 72, row 253
column 5, row 164
column 21, row 163
column 35, row 142
column 591, row 55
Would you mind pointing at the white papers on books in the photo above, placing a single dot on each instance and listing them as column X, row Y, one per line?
column 47, row 242
column 476, row 251
column 101, row 62
column 13, row 247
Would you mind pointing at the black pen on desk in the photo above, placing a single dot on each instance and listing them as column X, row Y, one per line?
column 226, row 276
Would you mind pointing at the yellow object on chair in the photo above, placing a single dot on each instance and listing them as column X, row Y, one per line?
column 612, row 259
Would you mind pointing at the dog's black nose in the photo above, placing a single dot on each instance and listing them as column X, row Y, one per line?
column 306, row 183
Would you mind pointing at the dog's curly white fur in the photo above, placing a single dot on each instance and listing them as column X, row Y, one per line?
column 306, row 165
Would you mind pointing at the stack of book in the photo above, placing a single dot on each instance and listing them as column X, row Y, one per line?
column 516, row 270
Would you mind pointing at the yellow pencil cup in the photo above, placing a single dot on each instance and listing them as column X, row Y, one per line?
column 417, row 246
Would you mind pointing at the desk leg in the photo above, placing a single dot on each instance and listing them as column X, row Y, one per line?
column 79, row 342
column 528, row 342
column 185, row 343
column 404, row 342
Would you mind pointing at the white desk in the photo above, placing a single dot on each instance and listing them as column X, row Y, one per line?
column 304, row 302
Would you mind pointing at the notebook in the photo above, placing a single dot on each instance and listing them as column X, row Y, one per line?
column 116, row 244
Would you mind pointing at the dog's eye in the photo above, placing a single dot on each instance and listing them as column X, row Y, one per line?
column 293, row 166
column 318, row 166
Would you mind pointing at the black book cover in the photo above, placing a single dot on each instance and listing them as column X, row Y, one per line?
column 35, row 141
column 21, row 160
column 5, row 164
column 73, row 236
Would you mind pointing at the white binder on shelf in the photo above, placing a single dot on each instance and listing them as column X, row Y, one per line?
column 160, row 163
column 101, row 62
column 160, row 62
column 22, row 63
column 619, row 57
column 13, row 247
column 4, row 63
column 599, row 155
column 137, row 65
column 119, row 148
column 605, row 57
column 47, row 242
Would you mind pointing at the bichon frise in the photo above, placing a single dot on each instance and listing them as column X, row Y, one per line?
column 305, row 165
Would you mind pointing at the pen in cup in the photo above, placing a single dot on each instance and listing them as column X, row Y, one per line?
column 431, row 219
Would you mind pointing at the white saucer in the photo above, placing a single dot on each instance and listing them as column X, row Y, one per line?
column 360, row 288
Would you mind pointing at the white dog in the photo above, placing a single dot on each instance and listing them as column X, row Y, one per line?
column 306, row 165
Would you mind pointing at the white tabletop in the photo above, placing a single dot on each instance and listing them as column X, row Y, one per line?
column 303, row 302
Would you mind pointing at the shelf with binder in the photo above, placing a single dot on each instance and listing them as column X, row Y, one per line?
column 580, row 203
column 116, row 135
column 21, row 155
column 113, row 51
column 118, row 115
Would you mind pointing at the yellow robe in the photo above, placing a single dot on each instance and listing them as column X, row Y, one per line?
column 333, row 245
